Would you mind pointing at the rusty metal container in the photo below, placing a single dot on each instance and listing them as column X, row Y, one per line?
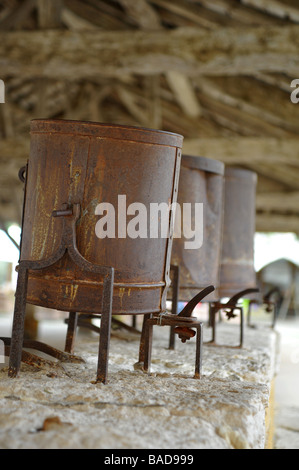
column 201, row 181
column 237, row 259
column 86, row 163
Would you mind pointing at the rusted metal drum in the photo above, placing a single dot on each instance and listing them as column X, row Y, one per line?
column 86, row 163
column 237, row 259
column 201, row 181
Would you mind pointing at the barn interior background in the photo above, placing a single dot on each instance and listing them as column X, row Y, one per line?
column 218, row 72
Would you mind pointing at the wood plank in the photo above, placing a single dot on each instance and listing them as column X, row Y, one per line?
column 285, row 174
column 142, row 13
column 277, row 223
column 184, row 93
column 235, row 10
column 275, row 8
column 17, row 16
column 73, row 55
column 49, row 13
column 242, row 150
column 278, row 201
column 191, row 13
column 253, row 110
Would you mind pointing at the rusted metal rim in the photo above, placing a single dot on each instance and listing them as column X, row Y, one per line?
column 203, row 164
column 240, row 173
column 102, row 130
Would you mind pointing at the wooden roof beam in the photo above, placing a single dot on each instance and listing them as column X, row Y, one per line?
column 75, row 54
column 242, row 150
column 277, row 223
column 275, row 8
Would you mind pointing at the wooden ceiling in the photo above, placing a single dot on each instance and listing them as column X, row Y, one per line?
column 218, row 72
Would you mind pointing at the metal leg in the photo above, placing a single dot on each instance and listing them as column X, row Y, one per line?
column 275, row 314
column 210, row 316
column 175, row 297
column 18, row 323
column 148, row 345
column 71, row 332
column 241, row 326
column 104, row 344
column 213, row 323
column 198, row 357
column 143, row 339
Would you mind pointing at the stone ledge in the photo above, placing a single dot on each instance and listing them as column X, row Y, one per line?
column 165, row 410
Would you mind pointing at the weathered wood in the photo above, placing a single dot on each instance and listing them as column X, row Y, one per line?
column 277, row 223
column 14, row 150
column 278, row 201
column 239, row 120
column 154, row 104
column 242, row 150
column 236, row 11
column 275, row 8
column 258, row 110
column 191, row 13
column 286, row 174
column 72, row 55
column 75, row 22
column 142, row 13
column 49, row 13
column 184, row 93
column 95, row 16
column 17, row 16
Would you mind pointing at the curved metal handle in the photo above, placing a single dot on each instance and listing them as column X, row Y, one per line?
column 22, row 173
column 233, row 300
column 188, row 309
column 275, row 290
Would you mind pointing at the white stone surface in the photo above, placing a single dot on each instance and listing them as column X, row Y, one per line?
column 165, row 410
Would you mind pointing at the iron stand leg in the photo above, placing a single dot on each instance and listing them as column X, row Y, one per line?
column 241, row 326
column 104, row 343
column 143, row 339
column 198, row 357
column 213, row 312
column 275, row 314
column 175, row 297
column 18, row 323
column 71, row 332
column 148, row 345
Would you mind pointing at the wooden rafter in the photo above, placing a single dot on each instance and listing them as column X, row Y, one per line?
column 239, row 150
column 275, row 8
column 277, row 223
column 70, row 55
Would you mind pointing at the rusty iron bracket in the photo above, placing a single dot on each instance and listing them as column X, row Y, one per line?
column 182, row 325
column 83, row 323
column 229, row 307
column 68, row 244
column 187, row 310
column 271, row 307
column 37, row 361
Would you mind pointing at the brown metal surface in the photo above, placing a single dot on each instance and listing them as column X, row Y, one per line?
column 84, row 164
column 201, row 181
column 237, row 258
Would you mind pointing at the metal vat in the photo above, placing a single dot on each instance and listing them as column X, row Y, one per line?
column 85, row 164
column 201, row 181
column 237, row 258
